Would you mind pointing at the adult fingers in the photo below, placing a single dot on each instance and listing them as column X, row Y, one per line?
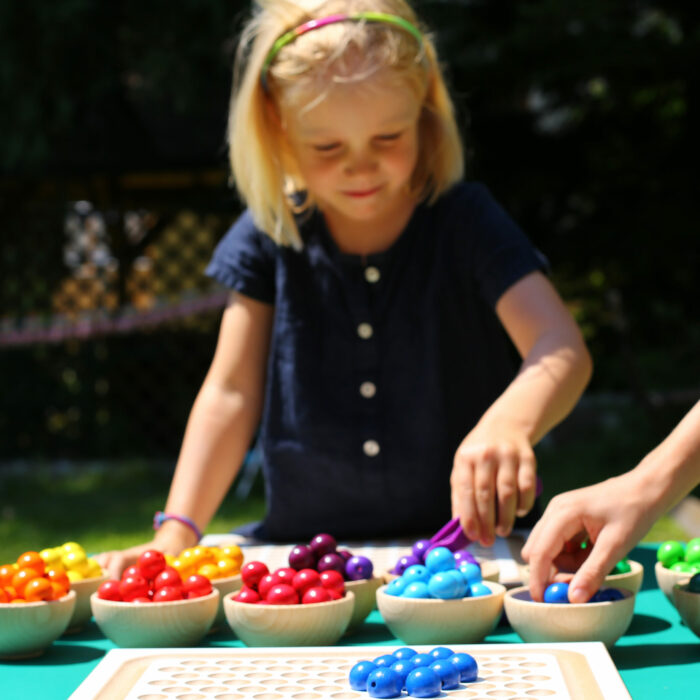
column 605, row 553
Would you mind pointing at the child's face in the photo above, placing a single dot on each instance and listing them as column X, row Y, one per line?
column 357, row 148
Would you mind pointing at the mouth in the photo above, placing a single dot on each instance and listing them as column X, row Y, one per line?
column 359, row 194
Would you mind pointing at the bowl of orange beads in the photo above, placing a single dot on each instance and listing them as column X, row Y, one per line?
column 221, row 565
column 82, row 572
column 36, row 605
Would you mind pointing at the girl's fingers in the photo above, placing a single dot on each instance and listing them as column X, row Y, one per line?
column 527, row 479
column 485, row 496
column 506, row 492
column 463, row 502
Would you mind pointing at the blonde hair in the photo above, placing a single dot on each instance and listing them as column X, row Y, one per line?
column 262, row 168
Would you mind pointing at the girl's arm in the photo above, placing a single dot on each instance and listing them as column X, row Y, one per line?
column 219, row 431
column 493, row 476
column 614, row 514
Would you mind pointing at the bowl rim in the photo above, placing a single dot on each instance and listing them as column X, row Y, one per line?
column 670, row 572
column 635, row 568
column 104, row 601
column 228, row 599
column 500, row 590
column 21, row 606
column 90, row 579
column 512, row 594
column 682, row 585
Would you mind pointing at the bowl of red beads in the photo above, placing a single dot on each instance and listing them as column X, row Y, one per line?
column 604, row 618
column 152, row 606
column 36, row 606
column 287, row 607
column 686, row 596
column 442, row 601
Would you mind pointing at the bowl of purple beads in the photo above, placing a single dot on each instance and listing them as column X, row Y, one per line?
column 604, row 618
column 441, row 601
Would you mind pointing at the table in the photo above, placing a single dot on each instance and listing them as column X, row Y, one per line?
column 658, row 657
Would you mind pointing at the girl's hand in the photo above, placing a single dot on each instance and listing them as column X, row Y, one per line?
column 493, row 480
column 114, row 562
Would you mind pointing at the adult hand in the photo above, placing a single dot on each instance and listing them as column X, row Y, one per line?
column 613, row 515
column 492, row 481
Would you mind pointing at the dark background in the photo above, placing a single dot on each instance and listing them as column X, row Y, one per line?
column 581, row 116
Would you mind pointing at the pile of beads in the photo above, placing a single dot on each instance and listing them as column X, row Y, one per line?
column 151, row 580
column 287, row 586
column 72, row 557
column 420, row 675
column 30, row 580
column 681, row 557
column 419, row 551
column 322, row 554
column 559, row 593
column 212, row 562
column 442, row 576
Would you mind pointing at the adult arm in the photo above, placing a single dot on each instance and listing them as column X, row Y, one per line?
column 219, row 430
column 494, row 471
column 614, row 514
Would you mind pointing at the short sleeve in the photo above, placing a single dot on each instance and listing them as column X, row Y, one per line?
column 244, row 260
column 501, row 253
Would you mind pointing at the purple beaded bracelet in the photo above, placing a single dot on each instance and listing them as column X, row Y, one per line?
column 159, row 518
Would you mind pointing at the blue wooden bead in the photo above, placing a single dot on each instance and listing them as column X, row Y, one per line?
column 423, row 683
column 447, row 585
column 396, row 586
column 420, row 660
column 439, row 559
column 479, row 589
column 440, row 653
column 417, row 589
column 384, row 683
column 384, row 660
column 557, row 593
column 449, row 674
column 359, row 674
column 467, row 666
column 417, row 572
column 402, row 668
column 404, row 653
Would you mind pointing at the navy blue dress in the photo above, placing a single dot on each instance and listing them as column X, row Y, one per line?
column 378, row 367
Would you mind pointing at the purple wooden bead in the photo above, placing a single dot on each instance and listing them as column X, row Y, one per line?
column 358, row 567
column 331, row 561
column 404, row 562
column 464, row 555
column 419, row 548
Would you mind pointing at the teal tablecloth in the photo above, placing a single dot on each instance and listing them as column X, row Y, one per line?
column 658, row 657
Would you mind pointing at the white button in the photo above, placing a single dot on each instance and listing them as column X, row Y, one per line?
column 371, row 448
column 368, row 389
column 365, row 330
column 372, row 274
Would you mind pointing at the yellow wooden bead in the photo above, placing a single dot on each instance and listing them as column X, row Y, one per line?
column 227, row 567
column 51, row 555
column 169, row 559
column 211, row 571
column 71, row 547
column 233, row 551
column 74, row 575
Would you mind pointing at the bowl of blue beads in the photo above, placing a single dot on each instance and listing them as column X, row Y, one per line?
column 686, row 596
column 422, row 674
column 604, row 618
column 441, row 601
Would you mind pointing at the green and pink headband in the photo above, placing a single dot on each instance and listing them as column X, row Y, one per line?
column 292, row 34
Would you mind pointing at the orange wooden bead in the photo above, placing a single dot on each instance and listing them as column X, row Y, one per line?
column 38, row 589
column 31, row 560
column 11, row 592
column 22, row 578
column 7, row 571
column 58, row 575
column 18, row 600
column 4, row 598
column 58, row 590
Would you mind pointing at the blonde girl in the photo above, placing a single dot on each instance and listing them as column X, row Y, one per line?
column 376, row 299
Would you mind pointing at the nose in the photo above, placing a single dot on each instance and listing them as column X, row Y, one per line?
column 361, row 163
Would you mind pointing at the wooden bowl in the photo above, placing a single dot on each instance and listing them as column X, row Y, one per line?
column 315, row 624
column 176, row 623
column 667, row 579
column 568, row 622
column 490, row 571
column 27, row 629
column 365, row 592
column 688, row 605
column 432, row 621
column 227, row 585
column 83, row 612
column 630, row 581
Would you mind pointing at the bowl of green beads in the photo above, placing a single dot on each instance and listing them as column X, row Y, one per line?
column 627, row 574
column 675, row 562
